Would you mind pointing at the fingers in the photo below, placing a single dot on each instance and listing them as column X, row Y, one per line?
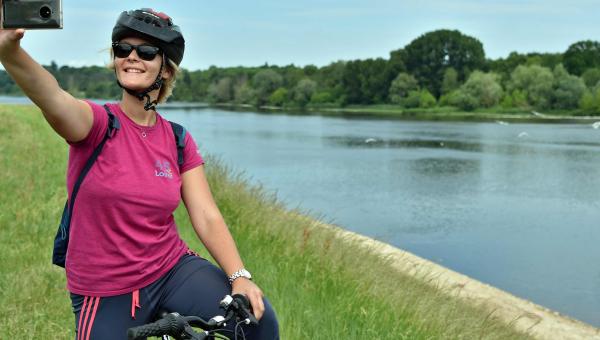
column 253, row 293
column 258, row 306
column 13, row 35
column 18, row 34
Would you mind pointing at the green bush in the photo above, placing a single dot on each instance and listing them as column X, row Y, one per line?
column 322, row 98
column 279, row 97
column 426, row 99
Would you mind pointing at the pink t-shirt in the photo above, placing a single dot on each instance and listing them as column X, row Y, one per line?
column 123, row 235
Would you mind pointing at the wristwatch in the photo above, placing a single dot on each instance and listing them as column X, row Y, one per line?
column 240, row 273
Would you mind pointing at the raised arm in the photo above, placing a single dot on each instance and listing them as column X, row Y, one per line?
column 69, row 117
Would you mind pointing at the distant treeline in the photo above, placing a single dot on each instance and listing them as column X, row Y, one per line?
column 439, row 68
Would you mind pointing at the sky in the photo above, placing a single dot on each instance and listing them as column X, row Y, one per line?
column 319, row 32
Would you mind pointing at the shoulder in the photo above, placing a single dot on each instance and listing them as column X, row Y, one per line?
column 99, row 124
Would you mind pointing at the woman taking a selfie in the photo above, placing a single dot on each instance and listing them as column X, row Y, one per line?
column 125, row 260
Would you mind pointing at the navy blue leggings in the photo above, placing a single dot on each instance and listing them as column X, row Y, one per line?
column 193, row 287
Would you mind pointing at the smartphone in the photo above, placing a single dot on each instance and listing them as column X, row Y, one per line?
column 32, row 14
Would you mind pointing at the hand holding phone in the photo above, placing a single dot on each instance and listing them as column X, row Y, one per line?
column 32, row 14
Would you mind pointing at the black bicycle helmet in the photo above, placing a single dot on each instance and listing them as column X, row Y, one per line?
column 156, row 27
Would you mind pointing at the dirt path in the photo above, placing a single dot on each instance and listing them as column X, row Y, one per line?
column 538, row 321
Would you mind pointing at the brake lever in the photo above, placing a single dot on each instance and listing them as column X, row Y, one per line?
column 190, row 333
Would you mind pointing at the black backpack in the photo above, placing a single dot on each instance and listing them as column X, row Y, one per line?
column 61, row 241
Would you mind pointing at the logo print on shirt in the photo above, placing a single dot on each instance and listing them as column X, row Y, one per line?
column 163, row 169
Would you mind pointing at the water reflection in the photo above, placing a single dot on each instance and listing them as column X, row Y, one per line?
column 370, row 142
column 588, row 150
column 443, row 167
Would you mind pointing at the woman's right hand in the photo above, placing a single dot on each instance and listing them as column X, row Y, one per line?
column 10, row 41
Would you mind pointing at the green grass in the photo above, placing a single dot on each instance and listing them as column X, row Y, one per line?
column 320, row 286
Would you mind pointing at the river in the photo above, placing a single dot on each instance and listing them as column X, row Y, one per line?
column 513, row 205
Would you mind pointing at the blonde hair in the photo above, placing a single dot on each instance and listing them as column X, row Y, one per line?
column 168, row 85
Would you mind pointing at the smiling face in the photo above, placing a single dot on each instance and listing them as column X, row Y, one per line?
column 135, row 73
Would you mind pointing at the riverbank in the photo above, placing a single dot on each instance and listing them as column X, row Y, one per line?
column 432, row 114
column 321, row 285
column 525, row 316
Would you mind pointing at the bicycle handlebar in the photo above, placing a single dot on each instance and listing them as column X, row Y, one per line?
column 170, row 324
column 179, row 326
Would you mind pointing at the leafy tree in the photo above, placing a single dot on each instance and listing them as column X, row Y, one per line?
column 418, row 98
column 464, row 100
column 244, row 94
column 264, row 83
column 582, row 55
column 591, row 77
column 481, row 88
column 366, row 81
column 279, row 97
column 291, row 75
column 401, row 86
column 448, row 99
column 450, row 81
column 394, row 67
column 590, row 101
column 516, row 98
column 568, row 89
column 330, row 79
column 536, row 81
column 412, row 100
column 322, row 98
column 310, row 70
column 426, row 99
column 8, row 85
column 222, row 91
column 504, row 67
column 428, row 56
column 304, row 90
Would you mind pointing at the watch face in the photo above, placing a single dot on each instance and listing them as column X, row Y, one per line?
column 246, row 274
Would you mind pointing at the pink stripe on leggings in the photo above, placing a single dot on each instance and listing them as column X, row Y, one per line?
column 81, row 312
column 97, row 302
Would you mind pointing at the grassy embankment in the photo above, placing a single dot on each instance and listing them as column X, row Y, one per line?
column 321, row 287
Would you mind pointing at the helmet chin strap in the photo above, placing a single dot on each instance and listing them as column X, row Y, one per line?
column 149, row 105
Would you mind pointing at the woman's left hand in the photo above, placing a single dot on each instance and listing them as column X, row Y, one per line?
column 246, row 287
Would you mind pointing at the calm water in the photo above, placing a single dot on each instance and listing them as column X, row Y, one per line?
column 516, row 206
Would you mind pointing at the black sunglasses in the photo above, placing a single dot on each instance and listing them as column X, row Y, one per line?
column 145, row 52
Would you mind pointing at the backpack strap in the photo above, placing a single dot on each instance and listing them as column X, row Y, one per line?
column 113, row 126
column 179, row 133
column 61, row 240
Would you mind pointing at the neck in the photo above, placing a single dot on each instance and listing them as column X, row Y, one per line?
column 134, row 109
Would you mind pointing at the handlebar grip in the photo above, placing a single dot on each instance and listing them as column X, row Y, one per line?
column 245, row 307
column 243, row 301
column 168, row 325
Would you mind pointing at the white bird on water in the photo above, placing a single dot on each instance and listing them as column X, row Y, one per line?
column 523, row 134
column 370, row 140
column 501, row 122
column 596, row 125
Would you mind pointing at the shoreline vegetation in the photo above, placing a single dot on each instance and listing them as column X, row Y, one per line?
column 498, row 115
column 321, row 284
